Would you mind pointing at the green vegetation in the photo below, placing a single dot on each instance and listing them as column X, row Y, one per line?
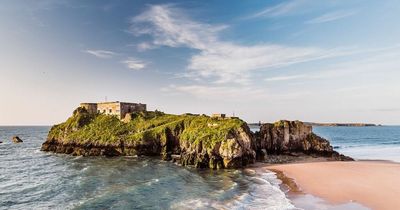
column 145, row 127
column 280, row 123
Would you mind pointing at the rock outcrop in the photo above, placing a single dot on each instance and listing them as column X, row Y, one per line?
column 201, row 141
column 235, row 151
column 16, row 139
column 294, row 137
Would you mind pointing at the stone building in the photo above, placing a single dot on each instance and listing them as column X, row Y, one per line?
column 119, row 109
column 218, row 115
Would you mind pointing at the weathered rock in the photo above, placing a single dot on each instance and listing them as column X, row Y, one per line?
column 290, row 137
column 200, row 141
column 238, row 149
column 229, row 143
column 234, row 152
column 16, row 139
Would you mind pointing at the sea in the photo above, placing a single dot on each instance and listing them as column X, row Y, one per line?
column 32, row 179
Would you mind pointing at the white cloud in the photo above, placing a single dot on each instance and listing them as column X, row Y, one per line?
column 278, row 10
column 145, row 46
column 135, row 64
column 233, row 93
column 216, row 60
column 285, row 78
column 101, row 53
column 223, row 69
column 332, row 16
column 217, row 92
column 385, row 60
column 170, row 27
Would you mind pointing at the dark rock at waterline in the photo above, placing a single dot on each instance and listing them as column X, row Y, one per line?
column 16, row 139
column 291, row 137
column 200, row 141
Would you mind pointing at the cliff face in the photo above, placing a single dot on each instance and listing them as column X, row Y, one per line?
column 290, row 137
column 198, row 140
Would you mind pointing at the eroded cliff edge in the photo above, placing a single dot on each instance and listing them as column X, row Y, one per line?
column 293, row 138
column 201, row 141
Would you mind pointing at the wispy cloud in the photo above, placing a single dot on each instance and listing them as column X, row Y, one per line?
column 278, row 10
column 101, row 53
column 145, row 46
column 134, row 63
column 216, row 60
column 332, row 16
column 384, row 60
column 216, row 92
column 285, row 78
column 220, row 68
column 169, row 26
column 232, row 93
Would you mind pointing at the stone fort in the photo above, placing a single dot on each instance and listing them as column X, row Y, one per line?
column 119, row 109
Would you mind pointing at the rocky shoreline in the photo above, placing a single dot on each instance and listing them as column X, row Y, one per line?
column 201, row 141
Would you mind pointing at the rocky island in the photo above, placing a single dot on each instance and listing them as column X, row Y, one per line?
column 198, row 140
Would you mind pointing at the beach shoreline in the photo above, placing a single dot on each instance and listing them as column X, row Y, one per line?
column 373, row 184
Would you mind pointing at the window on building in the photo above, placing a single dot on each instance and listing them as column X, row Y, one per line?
column 110, row 110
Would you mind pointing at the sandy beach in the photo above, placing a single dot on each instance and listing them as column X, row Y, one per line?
column 374, row 184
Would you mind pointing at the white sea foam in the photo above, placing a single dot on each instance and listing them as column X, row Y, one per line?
column 311, row 202
column 263, row 193
column 152, row 181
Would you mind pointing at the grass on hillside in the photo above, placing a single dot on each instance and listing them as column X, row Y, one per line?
column 99, row 129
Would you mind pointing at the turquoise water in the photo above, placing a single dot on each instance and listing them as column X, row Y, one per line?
column 368, row 143
column 32, row 179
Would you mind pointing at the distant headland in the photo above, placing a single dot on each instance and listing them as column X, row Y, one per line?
column 330, row 124
column 342, row 124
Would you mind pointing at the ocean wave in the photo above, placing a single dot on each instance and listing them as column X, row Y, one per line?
column 263, row 192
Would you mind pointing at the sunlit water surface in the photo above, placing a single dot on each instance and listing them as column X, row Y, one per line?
column 32, row 179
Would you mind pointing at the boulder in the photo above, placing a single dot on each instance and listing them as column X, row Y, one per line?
column 291, row 137
column 16, row 139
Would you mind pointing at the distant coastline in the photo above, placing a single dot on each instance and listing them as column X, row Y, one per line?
column 332, row 124
column 343, row 124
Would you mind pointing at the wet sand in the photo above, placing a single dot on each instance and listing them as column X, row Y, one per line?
column 374, row 184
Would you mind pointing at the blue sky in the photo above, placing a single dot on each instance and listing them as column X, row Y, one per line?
column 323, row 61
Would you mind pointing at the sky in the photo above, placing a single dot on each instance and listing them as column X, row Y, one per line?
column 316, row 61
